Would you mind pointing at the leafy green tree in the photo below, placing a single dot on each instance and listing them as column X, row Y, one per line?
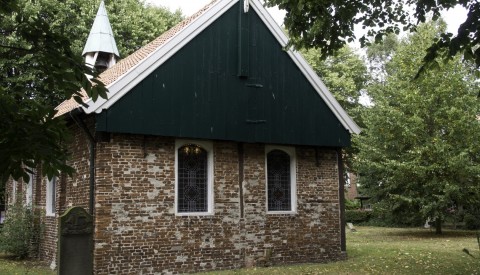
column 41, row 65
column 419, row 149
column 346, row 76
column 134, row 23
column 379, row 55
column 329, row 25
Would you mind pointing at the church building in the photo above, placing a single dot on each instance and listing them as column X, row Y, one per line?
column 217, row 148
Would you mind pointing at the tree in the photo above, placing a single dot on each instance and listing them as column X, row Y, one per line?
column 329, row 25
column 379, row 55
column 133, row 22
column 30, row 83
column 345, row 74
column 419, row 149
column 41, row 65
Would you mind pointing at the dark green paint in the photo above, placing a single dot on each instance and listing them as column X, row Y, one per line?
column 243, row 35
column 197, row 93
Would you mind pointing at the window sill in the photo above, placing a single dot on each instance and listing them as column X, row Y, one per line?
column 195, row 214
column 282, row 213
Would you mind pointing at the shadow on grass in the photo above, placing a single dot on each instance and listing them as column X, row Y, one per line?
column 429, row 234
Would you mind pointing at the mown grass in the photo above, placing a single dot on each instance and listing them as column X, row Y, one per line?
column 11, row 266
column 375, row 250
column 371, row 250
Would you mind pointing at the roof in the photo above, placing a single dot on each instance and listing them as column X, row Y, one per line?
column 101, row 37
column 123, row 66
column 127, row 73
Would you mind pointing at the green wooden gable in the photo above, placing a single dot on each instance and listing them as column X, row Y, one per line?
column 233, row 81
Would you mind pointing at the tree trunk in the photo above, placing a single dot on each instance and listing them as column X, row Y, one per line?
column 438, row 226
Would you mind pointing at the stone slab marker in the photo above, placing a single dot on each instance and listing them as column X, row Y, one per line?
column 75, row 242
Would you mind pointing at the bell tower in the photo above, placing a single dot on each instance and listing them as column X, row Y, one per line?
column 101, row 51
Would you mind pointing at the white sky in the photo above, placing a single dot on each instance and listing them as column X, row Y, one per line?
column 454, row 17
column 189, row 7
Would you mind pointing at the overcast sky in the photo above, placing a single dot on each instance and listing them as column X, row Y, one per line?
column 453, row 17
column 189, row 7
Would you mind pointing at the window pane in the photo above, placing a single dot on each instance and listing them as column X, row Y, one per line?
column 192, row 179
column 279, row 186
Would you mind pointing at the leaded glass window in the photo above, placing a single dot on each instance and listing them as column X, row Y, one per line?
column 279, row 181
column 192, row 179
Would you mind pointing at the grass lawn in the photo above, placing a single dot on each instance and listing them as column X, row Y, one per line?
column 10, row 266
column 375, row 250
column 371, row 250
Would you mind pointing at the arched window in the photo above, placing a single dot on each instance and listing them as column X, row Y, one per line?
column 280, row 181
column 194, row 184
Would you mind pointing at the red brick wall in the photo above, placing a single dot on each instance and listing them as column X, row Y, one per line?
column 70, row 191
column 77, row 187
column 137, row 229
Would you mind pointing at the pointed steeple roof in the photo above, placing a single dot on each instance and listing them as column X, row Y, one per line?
column 101, row 37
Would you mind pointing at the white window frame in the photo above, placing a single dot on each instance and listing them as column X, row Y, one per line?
column 293, row 178
column 29, row 190
column 50, row 196
column 208, row 146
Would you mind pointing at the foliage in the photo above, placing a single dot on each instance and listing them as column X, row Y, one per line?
column 134, row 23
column 31, row 82
column 419, row 150
column 345, row 74
column 357, row 216
column 351, row 204
column 19, row 231
column 41, row 65
column 472, row 222
column 379, row 55
column 393, row 214
column 329, row 25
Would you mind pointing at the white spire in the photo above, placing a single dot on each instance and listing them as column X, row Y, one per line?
column 101, row 35
column 101, row 40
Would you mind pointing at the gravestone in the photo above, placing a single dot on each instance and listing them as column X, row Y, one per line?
column 351, row 227
column 75, row 242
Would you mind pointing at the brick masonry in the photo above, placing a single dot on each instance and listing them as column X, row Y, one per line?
column 137, row 231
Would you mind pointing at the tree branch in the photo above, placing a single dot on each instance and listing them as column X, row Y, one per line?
column 15, row 48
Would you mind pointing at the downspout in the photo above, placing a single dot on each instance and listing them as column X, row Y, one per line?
column 341, row 195
column 92, row 148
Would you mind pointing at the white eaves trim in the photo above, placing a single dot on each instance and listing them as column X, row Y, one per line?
column 306, row 69
column 143, row 69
